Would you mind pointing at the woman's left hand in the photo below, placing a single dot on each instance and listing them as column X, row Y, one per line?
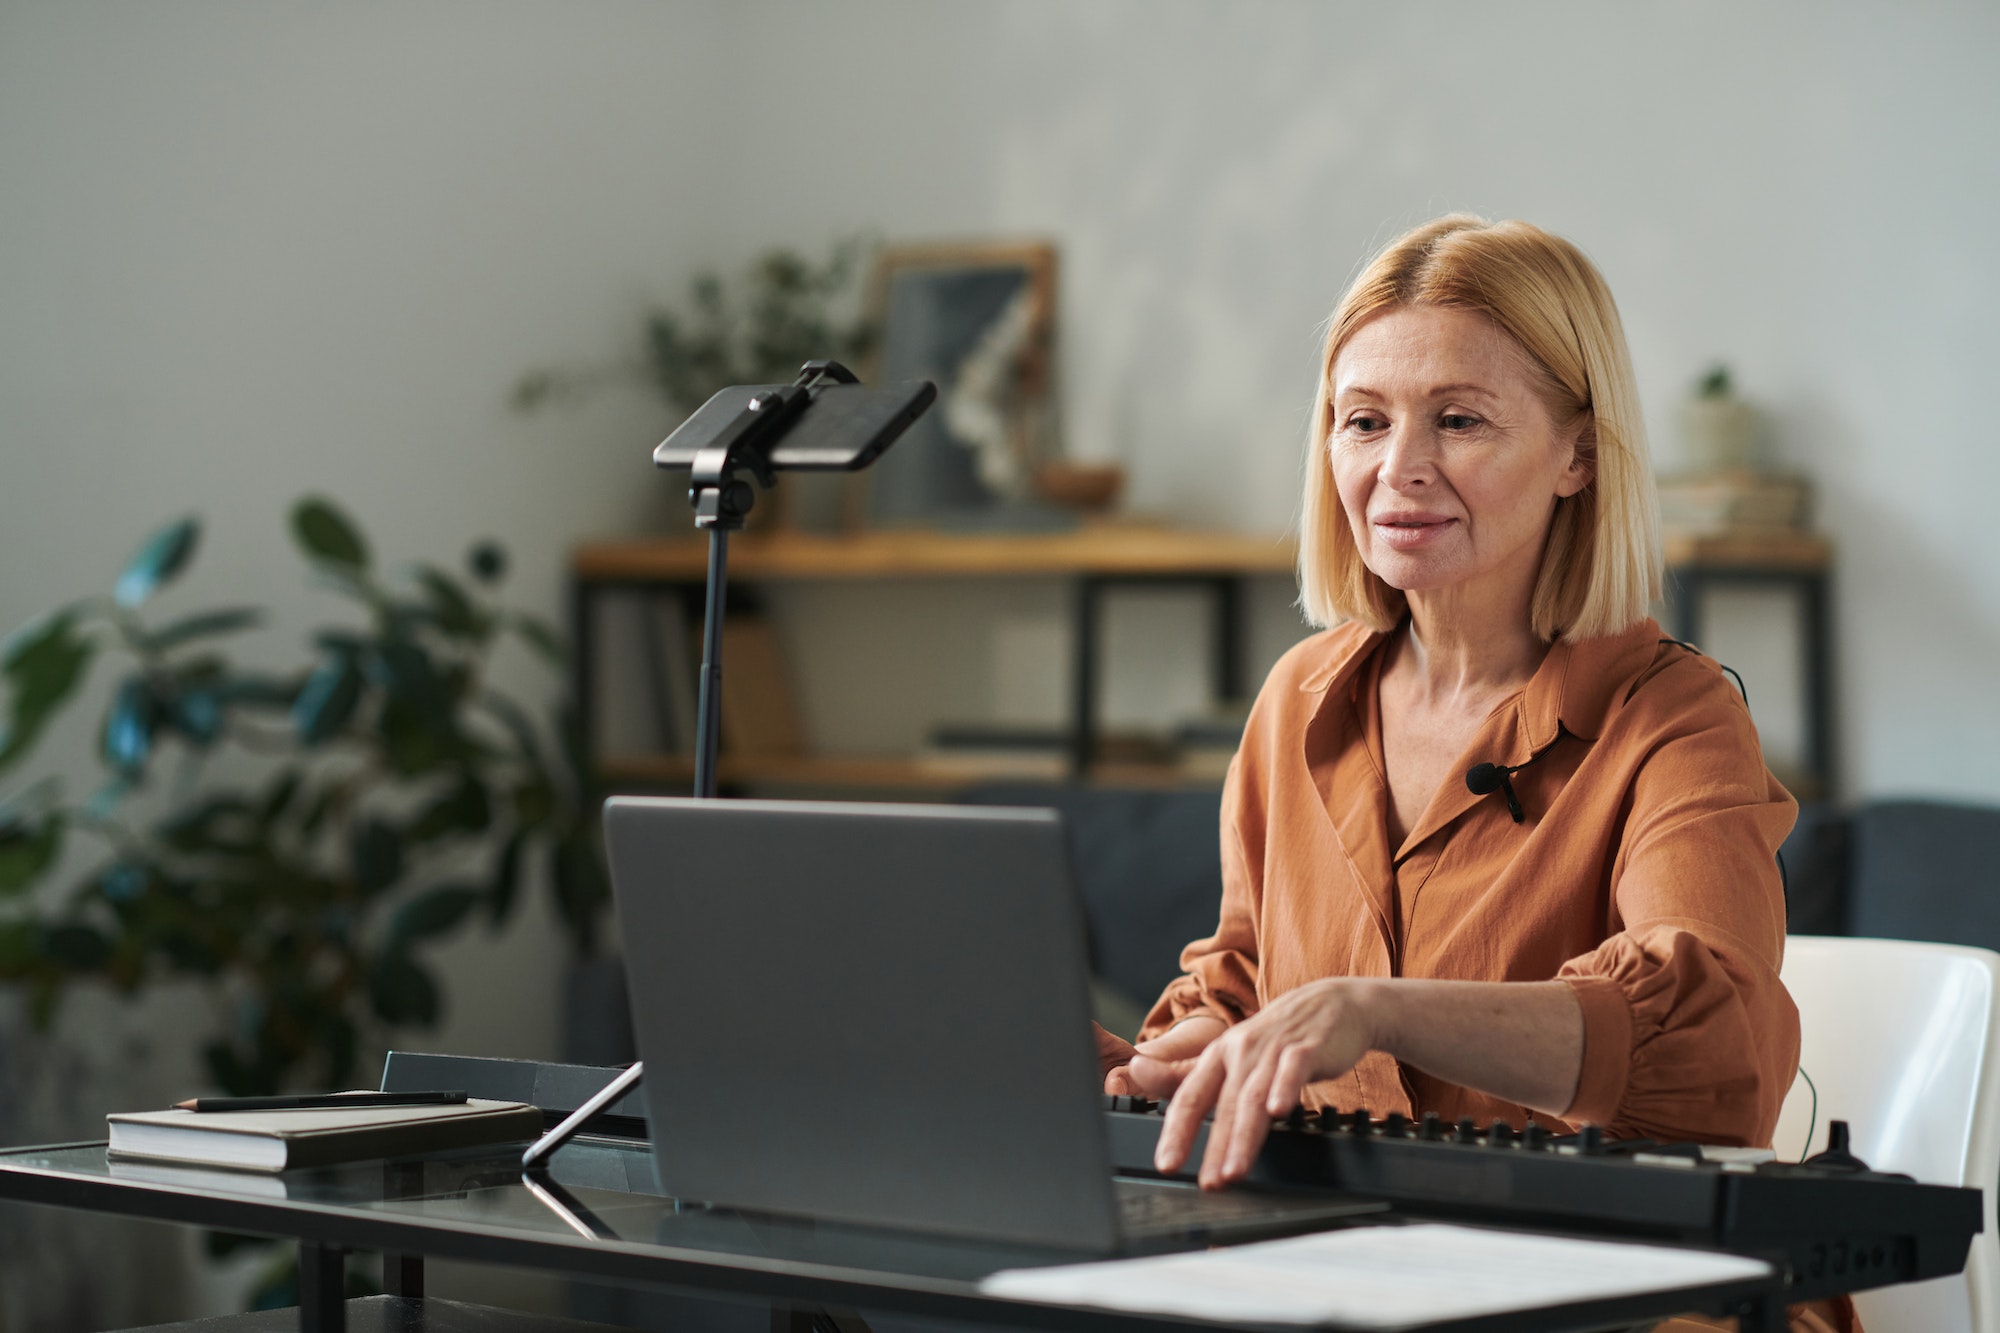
column 1258, row 1069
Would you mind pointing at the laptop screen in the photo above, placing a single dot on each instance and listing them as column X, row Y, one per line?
column 866, row 1013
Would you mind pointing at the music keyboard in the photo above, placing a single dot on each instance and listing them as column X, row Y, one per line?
column 1833, row 1230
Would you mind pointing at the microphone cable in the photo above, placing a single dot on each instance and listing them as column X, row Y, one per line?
column 1485, row 779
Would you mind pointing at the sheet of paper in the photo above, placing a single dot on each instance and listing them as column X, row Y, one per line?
column 1375, row 1276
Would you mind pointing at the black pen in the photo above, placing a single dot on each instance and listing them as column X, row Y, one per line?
column 322, row 1101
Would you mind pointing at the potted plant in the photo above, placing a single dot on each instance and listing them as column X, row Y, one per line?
column 783, row 311
column 377, row 798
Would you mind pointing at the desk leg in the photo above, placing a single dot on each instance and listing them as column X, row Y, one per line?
column 403, row 1275
column 322, row 1288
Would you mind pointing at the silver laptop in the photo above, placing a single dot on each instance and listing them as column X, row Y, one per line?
column 878, row 1014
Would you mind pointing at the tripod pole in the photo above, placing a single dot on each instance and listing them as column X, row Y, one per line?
column 708, row 721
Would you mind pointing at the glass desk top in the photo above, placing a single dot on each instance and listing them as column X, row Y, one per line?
column 596, row 1193
column 597, row 1214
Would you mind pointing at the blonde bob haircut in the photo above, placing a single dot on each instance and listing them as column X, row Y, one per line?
column 1601, row 564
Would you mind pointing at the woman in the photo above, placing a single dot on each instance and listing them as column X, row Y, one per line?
column 1588, row 927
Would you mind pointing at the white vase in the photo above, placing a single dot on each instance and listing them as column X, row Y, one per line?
column 1723, row 435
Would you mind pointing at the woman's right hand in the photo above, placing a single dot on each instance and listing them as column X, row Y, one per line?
column 1155, row 1068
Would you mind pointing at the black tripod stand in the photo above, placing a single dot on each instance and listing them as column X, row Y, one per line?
column 762, row 429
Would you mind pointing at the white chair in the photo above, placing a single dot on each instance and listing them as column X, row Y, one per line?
column 1900, row 1041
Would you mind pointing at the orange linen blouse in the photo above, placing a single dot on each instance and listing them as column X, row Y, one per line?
column 1644, row 875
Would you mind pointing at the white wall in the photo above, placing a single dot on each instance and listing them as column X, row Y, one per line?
column 247, row 250
column 1805, row 190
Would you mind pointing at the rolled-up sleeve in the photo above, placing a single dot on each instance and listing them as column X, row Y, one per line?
column 1219, row 973
column 1688, row 1032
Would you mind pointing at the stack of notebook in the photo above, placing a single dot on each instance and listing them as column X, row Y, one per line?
column 323, row 1132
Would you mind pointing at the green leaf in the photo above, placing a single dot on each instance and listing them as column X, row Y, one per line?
column 406, row 671
column 377, row 854
column 20, row 947
column 130, row 727
column 534, row 803
column 198, row 715
column 466, row 808
column 206, row 624
column 327, row 701
column 321, row 806
column 124, row 881
column 401, row 991
column 76, row 947
column 225, row 823
column 432, row 913
column 506, row 881
column 418, row 740
column 488, row 562
column 163, row 556
column 527, row 744
column 326, row 535
column 27, row 850
column 278, row 798
column 43, row 663
column 542, row 637
column 455, row 612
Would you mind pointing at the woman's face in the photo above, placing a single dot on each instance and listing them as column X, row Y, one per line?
column 1443, row 452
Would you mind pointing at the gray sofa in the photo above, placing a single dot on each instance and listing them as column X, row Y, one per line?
column 1905, row 870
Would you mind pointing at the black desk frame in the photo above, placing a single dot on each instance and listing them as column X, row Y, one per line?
column 326, row 1234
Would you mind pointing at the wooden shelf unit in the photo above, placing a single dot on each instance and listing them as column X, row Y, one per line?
column 1113, row 550
column 1091, row 559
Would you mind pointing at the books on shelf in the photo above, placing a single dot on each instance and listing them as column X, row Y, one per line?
column 1206, row 745
column 280, row 1140
column 1000, row 750
column 1713, row 504
column 760, row 712
column 974, row 751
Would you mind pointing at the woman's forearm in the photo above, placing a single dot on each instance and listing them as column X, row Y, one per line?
column 1519, row 1041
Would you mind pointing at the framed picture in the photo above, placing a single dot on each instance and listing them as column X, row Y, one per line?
column 978, row 320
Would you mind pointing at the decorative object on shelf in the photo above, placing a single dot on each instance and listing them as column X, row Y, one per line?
column 292, row 841
column 979, row 321
column 1088, row 487
column 1723, row 432
column 1722, row 503
column 1728, row 488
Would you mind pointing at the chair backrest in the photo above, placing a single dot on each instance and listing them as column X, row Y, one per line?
column 1899, row 1039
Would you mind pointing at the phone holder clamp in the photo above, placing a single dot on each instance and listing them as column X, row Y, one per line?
column 720, row 500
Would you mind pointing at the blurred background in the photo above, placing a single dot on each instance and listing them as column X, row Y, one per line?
column 254, row 252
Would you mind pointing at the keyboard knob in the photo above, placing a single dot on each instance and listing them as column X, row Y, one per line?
column 1590, row 1141
column 1296, row 1119
column 1432, row 1127
column 1499, row 1134
column 1395, row 1125
column 1468, row 1129
column 1535, row 1137
column 1358, row 1122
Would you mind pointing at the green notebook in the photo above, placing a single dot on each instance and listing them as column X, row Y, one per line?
column 279, row 1140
